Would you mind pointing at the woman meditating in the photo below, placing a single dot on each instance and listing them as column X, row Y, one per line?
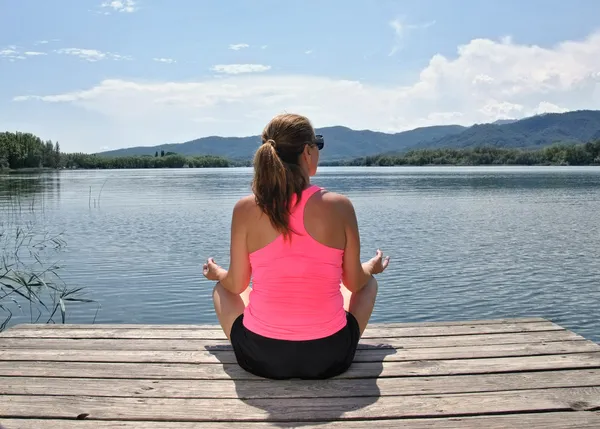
column 311, row 298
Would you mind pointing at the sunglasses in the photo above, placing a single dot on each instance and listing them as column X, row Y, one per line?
column 319, row 141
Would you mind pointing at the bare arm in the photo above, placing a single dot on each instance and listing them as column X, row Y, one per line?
column 237, row 278
column 355, row 274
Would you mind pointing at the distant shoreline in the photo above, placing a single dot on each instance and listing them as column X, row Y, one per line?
column 7, row 172
column 556, row 155
column 27, row 170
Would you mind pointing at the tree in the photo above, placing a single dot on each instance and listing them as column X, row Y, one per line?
column 156, row 154
column 48, row 154
column 3, row 160
column 56, row 155
column 162, row 153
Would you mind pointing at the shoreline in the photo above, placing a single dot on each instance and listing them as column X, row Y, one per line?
column 27, row 170
column 7, row 172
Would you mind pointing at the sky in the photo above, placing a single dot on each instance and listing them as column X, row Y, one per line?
column 105, row 74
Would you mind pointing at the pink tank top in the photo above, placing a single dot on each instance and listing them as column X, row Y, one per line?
column 296, row 285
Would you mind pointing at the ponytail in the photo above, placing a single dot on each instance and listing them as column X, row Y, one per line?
column 275, row 182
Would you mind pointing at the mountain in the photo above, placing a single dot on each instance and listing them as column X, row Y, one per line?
column 344, row 143
column 230, row 147
column 533, row 132
column 340, row 143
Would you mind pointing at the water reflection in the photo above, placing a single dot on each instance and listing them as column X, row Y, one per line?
column 28, row 193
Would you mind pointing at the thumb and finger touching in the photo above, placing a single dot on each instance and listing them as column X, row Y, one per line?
column 386, row 262
column 379, row 259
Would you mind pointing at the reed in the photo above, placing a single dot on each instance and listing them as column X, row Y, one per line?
column 31, row 288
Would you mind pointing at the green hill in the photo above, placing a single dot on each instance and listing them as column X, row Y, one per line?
column 343, row 143
column 340, row 143
column 529, row 133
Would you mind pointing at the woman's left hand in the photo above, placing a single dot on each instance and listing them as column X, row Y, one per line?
column 211, row 270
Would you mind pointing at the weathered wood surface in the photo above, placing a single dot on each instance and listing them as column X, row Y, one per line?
column 551, row 420
column 214, row 327
column 207, row 334
column 508, row 373
column 364, row 355
column 264, row 389
column 303, row 409
column 358, row 370
column 193, row 345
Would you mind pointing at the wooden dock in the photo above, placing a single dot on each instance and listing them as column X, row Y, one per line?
column 492, row 374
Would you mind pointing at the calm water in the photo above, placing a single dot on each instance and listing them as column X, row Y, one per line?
column 466, row 243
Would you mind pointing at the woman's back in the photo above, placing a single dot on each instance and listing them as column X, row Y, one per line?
column 311, row 297
column 296, row 282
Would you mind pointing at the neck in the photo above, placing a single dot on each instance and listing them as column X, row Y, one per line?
column 304, row 171
column 306, row 178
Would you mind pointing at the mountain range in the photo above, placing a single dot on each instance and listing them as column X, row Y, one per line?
column 344, row 143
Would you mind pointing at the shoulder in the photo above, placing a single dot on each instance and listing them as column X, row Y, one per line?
column 245, row 203
column 245, row 207
column 338, row 202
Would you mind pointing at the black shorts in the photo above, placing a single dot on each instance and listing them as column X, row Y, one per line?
column 282, row 359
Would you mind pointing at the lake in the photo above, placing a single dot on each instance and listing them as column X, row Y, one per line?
column 465, row 243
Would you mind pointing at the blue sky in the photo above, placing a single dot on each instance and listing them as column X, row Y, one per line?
column 98, row 74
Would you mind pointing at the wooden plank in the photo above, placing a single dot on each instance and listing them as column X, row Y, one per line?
column 364, row 355
column 264, row 389
column 358, row 370
column 176, row 344
column 551, row 420
column 216, row 327
column 214, row 334
column 301, row 409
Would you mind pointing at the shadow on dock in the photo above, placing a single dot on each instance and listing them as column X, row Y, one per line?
column 285, row 400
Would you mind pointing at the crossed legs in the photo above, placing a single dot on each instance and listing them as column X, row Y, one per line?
column 360, row 304
column 229, row 306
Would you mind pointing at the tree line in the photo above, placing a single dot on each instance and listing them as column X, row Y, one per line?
column 170, row 160
column 558, row 154
column 25, row 150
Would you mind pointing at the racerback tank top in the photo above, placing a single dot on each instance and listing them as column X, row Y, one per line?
column 296, row 285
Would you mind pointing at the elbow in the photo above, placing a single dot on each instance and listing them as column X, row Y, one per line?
column 239, row 289
column 235, row 287
column 356, row 282
column 351, row 284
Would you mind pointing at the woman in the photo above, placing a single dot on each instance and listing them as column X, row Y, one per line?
column 311, row 298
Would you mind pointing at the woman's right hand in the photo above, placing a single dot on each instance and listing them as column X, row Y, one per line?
column 378, row 263
column 212, row 271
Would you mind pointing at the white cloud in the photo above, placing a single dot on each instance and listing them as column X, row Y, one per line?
column 264, row 47
column 127, row 6
column 165, row 60
column 401, row 31
column 240, row 68
column 11, row 53
column 545, row 107
column 34, row 53
column 486, row 80
column 239, row 46
column 502, row 109
column 91, row 55
column 42, row 42
column 308, row 52
column 118, row 57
